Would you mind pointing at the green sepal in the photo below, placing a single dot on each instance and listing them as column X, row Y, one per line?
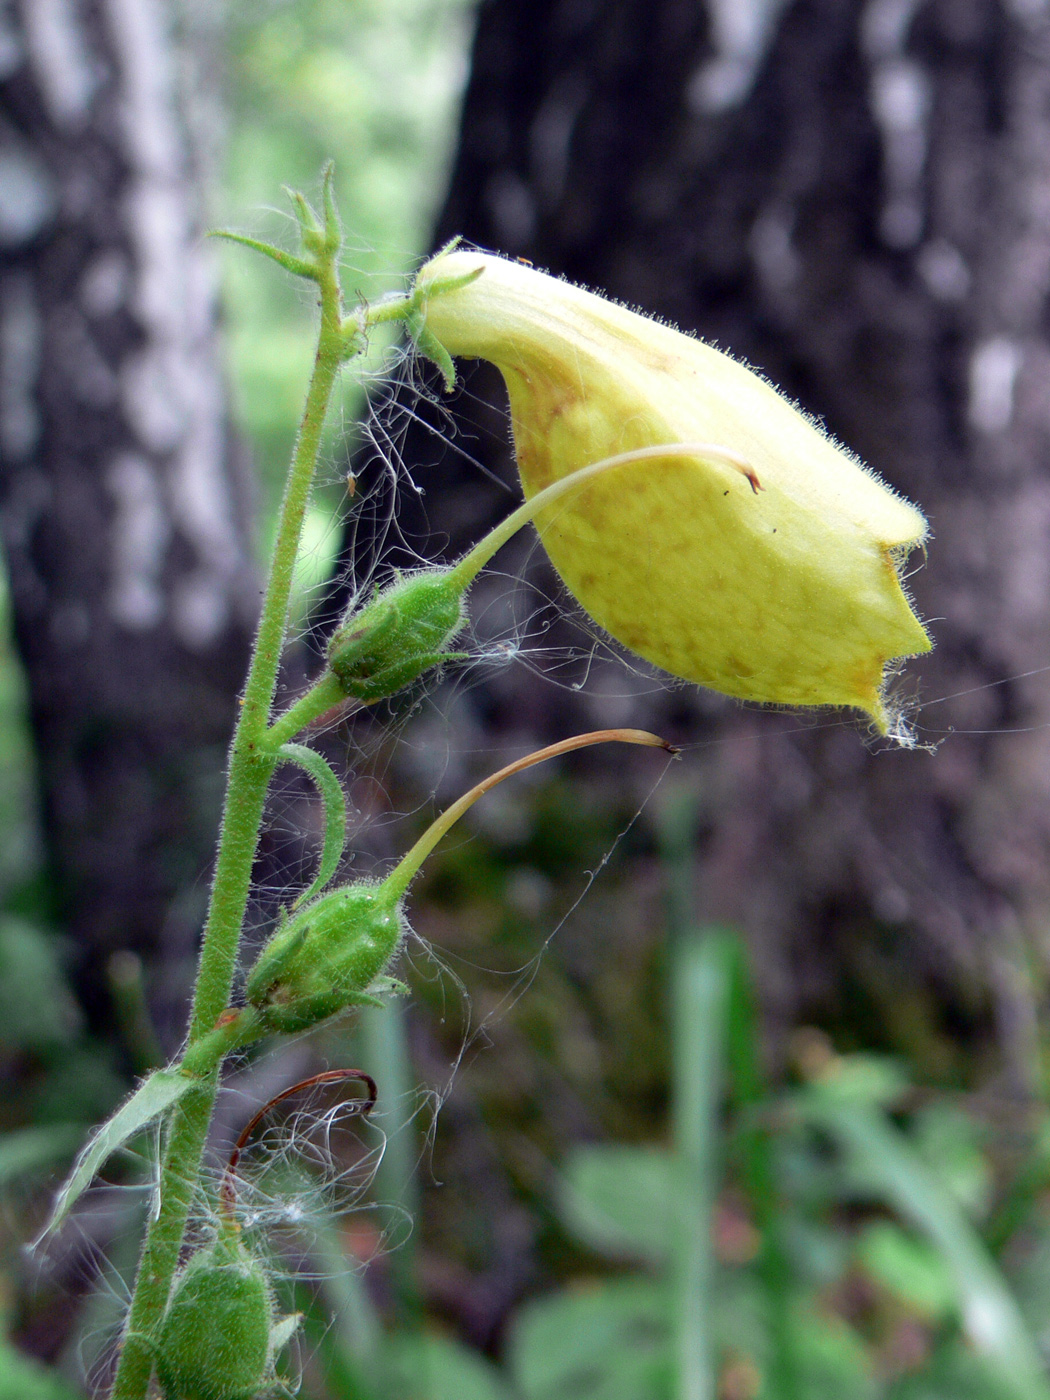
column 450, row 246
column 282, row 951
column 321, row 239
column 428, row 345
column 384, row 986
column 364, row 999
column 426, row 342
column 299, row 267
column 380, row 991
column 331, row 790
column 282, row 1332
column 333, row 231
column 310, row 231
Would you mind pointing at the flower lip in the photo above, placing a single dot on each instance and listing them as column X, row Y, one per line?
column 790, row 595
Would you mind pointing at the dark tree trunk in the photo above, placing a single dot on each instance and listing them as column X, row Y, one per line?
column 854, row 198
column 123, row 515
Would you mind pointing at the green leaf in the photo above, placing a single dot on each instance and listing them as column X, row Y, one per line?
column 334, row 808
column 22, row 1378
column 428, row 1366
column 299, row 267
column 872, row 1080
column 37, row 1010
column 909, row 1268
column 948, row 1141
column 619, row 1201
column 887, row 1165
column 607, row 1342
column 30, row 1150
column 154, row 1097
column 832, row 1361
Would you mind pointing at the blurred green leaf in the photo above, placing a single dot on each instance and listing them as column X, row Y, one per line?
column 909, row 1268
column 832, row 1361
column 428, row 1366
column 619, row 1200
column 29, row 1151
column 949, row 1141
column 36, row 1007
column 871, row 1080
column 22, row 1378
column 81, row 1082
column 610, row 1341
column 819, row 1249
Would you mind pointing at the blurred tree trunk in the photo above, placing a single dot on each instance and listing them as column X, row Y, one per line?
column 123, row 515
column 854, row 196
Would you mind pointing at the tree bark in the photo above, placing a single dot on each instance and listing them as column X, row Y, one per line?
column 122, row 501
column 852, row 196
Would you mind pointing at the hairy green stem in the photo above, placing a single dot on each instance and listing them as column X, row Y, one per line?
column 252, row 758
column 323, row 695
column 252, row 761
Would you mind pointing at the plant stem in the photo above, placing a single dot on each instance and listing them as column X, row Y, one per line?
column 399, row 879
column 252, row 759
column 252, row 762
column 322, row 696
column 186, row 1135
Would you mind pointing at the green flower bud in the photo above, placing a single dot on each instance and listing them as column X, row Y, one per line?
column 326, row 957
column 215, row 1339
column 379, row 649
column 778, row 582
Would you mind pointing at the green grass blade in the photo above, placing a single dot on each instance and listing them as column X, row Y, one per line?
column 1024, row 1191
column 700, row 989
column 893, row 1170
column 748, row 1095
column 383, row 1041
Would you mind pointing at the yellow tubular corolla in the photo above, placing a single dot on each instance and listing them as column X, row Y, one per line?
column 777, row 584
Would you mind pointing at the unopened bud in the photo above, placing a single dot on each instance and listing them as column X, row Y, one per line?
column 215, row 1339
column 326, row 957
column 401, row 634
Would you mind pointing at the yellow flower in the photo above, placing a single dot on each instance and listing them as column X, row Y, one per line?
column 773, row 577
